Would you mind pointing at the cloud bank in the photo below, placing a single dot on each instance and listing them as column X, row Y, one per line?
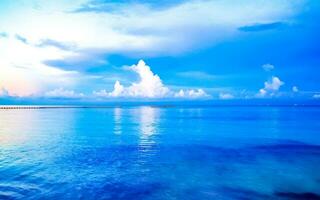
column 149, row 86
column 62, row 93
column 225, row 96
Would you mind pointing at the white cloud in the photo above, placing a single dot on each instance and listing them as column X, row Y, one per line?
column 270, row 87
column 199, row 93
column 149, row 86
column 62, row 93
column 274, row 84
column 22, row 71
column 101, row 93
column 225, row 96
column 140, row 28
column 262, row 92
column 268, row 67
column 118, row 91
column 316, row 96
column 295, row 89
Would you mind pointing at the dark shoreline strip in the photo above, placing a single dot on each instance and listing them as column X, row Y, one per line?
column 63, row 107
column 48, row 107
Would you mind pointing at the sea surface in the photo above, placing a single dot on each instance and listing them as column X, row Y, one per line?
column 150, row 152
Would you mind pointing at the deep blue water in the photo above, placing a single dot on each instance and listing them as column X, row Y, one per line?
column 160, row 153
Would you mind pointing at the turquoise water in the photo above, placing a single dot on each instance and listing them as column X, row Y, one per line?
column 160, row 153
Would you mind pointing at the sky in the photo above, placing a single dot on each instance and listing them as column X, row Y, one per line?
column 103, row 50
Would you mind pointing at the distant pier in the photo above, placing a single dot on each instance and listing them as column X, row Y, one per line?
column 28, row 107
column 36, row 107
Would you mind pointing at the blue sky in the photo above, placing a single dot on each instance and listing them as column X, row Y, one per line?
column 103, row 50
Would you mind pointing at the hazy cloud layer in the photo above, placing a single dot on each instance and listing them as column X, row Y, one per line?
column 225, row 96
column 63, row 93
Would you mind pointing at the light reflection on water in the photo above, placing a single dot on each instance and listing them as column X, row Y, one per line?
column 148, row 125
column 16, row 134
column 160, row 153
column 117, row 120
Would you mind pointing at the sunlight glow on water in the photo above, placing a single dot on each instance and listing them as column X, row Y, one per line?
column 160, row 153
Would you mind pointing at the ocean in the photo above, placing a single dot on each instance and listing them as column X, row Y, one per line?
column 161, row 152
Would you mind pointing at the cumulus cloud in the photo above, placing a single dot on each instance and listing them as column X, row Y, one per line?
column 262, row 92
column 270, row 87
column 274, row 84
column 268, row 67
column 295, row 89
column 225, row 96
column 199, row 93
column 118, row 91
column 149, row 86
column 62, row 93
